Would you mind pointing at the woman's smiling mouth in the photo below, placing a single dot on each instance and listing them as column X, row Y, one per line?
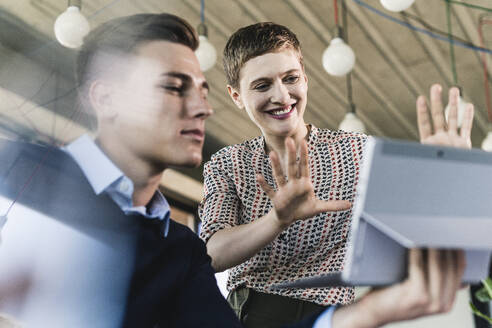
column 282, row 113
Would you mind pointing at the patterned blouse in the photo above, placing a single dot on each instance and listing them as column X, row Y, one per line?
column 307, row 248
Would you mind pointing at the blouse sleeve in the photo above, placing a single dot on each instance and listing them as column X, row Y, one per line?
column 220, row 206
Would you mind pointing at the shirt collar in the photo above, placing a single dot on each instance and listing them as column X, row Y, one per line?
column 258, row 144
column 97, row 167
column 105, row 176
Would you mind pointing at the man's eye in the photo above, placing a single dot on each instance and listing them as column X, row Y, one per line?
column 291, row 79
column 172, row 88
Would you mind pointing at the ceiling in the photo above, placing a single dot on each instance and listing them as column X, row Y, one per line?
column 393, row 63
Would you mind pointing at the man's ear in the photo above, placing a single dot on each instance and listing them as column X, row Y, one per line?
column 235, row 96
column 101, row 99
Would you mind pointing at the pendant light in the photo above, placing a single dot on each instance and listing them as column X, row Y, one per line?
column 206, row 53
column 396, row 5
column 487, row 142
column 338, row 59
column 350, row 123
column 71, row 26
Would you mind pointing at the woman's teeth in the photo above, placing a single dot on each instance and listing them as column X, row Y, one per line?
column 282, row 111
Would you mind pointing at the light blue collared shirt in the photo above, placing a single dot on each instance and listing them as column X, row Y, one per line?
column 324, row 319
column 104, row 176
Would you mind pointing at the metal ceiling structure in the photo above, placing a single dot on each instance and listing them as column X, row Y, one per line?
column 393, row 63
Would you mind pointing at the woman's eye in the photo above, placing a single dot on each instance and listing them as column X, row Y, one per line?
column 261, row 87
column 291, row 79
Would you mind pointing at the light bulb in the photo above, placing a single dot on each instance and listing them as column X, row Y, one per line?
column 71, row 27
column 338, row 58
column 487, row 142
column 206, row 54
column 461, row 111
column 351, row 123
column 396, row 5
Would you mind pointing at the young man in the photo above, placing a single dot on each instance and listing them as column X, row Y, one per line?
column 277, row 207
column 108, row 255
column 141, row 77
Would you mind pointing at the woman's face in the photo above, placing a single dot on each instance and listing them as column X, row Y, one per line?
column 273, row 90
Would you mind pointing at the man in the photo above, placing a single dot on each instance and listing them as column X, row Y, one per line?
column 116, row 258
column 140, row 76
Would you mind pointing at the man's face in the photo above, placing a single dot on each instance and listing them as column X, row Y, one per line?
column 160, row 107
column 273, row 90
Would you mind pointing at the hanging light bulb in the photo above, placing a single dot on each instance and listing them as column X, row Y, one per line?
column 487, row 142
column 206, row 53
column 338, row 59
column 461, row 110
column 396, row 5
column 351, row 123
column 71, row 26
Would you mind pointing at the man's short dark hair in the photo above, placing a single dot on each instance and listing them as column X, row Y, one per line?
column 253, row 41
column 123, row 35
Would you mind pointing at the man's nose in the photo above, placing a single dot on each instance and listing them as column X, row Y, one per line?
column 198, row 105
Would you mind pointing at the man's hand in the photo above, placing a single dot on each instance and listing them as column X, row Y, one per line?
column 444, row 134
column 434, row 277
column 294, row 198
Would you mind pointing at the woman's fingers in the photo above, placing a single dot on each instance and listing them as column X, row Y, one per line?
column 304, row 160
column 454, row 95
column 467, row 124
column 265, row 186
column 436, row 108
column 291, row 158
column 423, row 119
column 332, row 205
column 277, row 171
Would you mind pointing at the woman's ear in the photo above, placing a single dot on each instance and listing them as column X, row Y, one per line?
column 101, row 99
column 235, row 96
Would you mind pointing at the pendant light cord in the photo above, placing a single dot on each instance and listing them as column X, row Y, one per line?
column 483, row 20
column 451, row 42
column 202, row 11
column 349, row 75
column 335, row 10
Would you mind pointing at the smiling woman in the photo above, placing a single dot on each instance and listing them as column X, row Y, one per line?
column 276, row 207
column 273, row 91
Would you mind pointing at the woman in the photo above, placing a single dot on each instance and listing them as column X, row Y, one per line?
column 277, row 207
column 266, row 227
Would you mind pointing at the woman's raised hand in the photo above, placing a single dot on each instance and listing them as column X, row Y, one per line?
column 294, row 198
